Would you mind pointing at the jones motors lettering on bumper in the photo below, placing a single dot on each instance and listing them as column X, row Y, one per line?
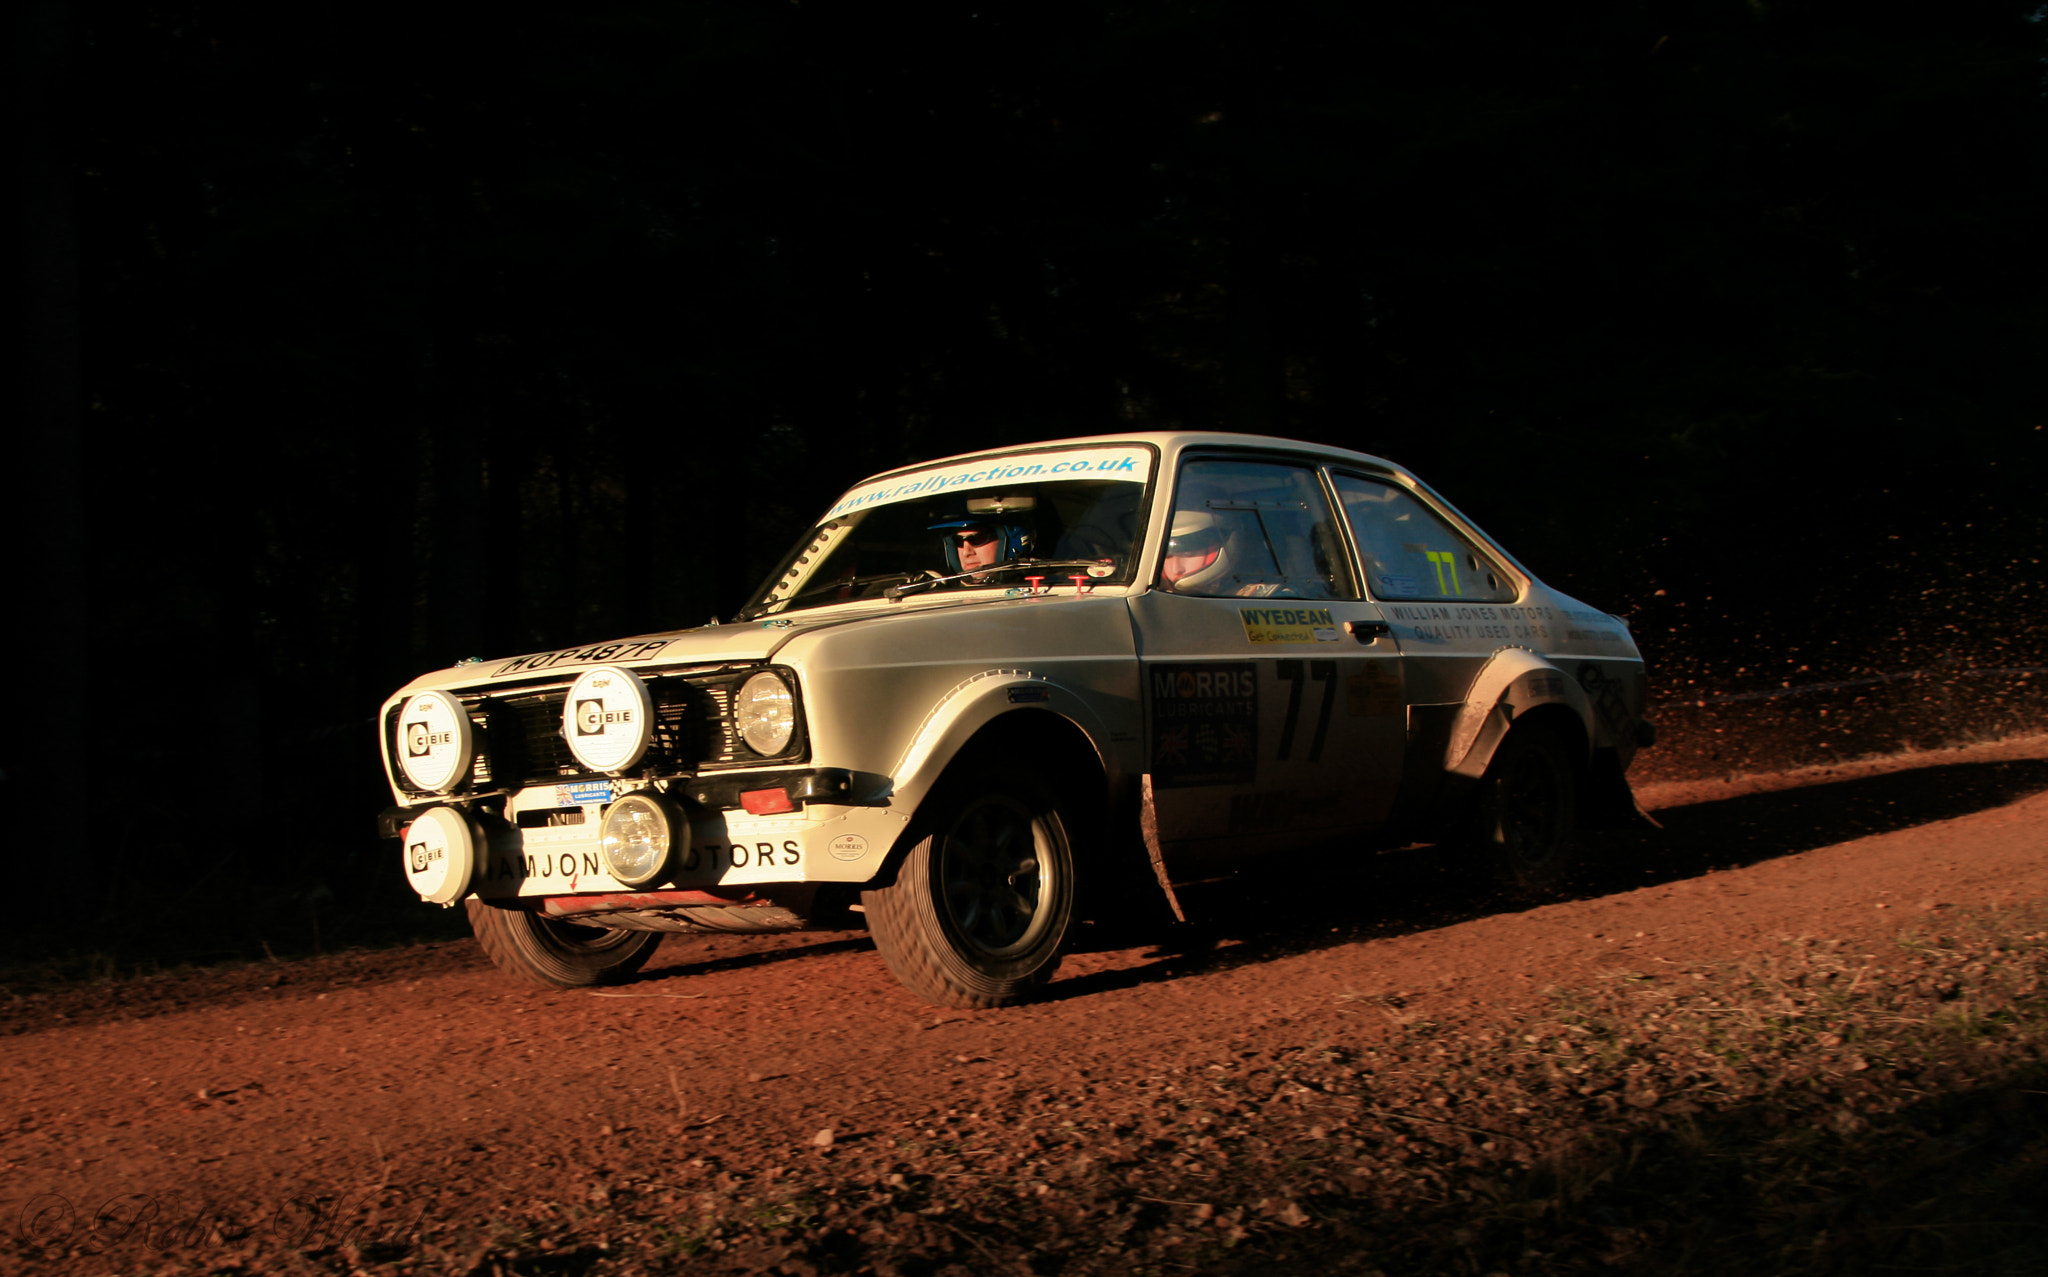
column 581, row 656
column 702, row 863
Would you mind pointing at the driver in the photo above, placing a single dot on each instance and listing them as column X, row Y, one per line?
column 985, row 532
column 1194, row 562
column 974, row 548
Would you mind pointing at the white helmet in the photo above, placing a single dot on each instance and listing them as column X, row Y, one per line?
column 1195, row 535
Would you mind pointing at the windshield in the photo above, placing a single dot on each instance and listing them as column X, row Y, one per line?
column 987, row 525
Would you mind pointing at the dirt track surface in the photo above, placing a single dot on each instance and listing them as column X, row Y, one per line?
column 238, row 1093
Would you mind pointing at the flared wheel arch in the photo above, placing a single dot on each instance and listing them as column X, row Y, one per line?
column 1057, row 750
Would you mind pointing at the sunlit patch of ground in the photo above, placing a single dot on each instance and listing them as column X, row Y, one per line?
column 1813, row 722
column 1817, row 1106
column 1655, row 792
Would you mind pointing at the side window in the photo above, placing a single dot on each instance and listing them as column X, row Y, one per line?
column 1253, row 529
column 1408, row 552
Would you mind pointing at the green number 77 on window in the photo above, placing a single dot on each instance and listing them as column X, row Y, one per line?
column 1445, row 562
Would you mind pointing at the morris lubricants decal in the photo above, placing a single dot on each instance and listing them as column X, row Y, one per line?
column 1288, row 624
column 586, row 793
column 581, row 656
column 1130, row 465
column 1205, row 723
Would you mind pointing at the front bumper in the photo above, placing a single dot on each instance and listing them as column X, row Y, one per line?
column 538, row 844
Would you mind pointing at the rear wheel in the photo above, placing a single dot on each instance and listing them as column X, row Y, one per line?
column 1528, row 813
column 558, row 955
column 979, row 912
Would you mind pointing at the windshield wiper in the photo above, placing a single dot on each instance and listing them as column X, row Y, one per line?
column 840, row 583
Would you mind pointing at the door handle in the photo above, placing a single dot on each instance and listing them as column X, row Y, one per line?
column 1367, row 631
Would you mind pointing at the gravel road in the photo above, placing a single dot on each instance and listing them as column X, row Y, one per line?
column 229, row 1102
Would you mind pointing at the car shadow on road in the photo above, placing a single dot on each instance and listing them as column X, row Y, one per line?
column 1733, row 832
column 1339, row 896
column 824, row 945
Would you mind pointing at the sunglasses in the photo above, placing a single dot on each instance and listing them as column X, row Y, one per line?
column 976, row 537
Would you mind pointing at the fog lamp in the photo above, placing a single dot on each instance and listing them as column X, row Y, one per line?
column 440, row 854
column 637, row 833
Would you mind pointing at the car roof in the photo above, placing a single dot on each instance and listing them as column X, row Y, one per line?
column 1170, row 443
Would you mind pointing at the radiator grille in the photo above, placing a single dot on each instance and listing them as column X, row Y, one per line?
column 519, row 733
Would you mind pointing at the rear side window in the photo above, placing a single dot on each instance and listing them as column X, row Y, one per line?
column 1253, row 529
column 1409, row 552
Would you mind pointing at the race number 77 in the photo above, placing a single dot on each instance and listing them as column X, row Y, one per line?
column 1445, row 562
column 1290, row 672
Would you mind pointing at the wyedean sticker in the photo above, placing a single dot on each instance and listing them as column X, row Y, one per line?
column 1288, row 624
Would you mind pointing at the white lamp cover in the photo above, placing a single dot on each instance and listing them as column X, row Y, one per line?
column 440, row 855
column 436, row 742
column 608, row 719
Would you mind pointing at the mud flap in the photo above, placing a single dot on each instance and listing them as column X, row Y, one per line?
column 1148, row 825
column 1610, row 803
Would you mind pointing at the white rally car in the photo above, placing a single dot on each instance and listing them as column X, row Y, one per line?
column 987, row 688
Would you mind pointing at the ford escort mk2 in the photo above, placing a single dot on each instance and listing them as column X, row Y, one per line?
column 988, row 695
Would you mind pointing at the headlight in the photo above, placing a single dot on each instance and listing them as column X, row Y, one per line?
column 440, row 854
column 608, row 719
column 638, row 831
column 765, row 713
column 435, row 742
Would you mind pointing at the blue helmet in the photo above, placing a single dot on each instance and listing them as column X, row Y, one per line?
column 1007, row 518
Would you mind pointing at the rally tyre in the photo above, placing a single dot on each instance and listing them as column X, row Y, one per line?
column 554, row 954
column 1527, row 825
column 978, row 913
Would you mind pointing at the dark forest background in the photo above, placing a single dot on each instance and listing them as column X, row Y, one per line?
column 362, row 338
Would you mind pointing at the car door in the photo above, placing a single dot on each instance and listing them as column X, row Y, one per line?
column 1272, row 687
column 1447, row 597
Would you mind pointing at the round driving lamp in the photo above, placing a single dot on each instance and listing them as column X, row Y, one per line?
column 765, row 713
column 436, row 742
column 440, row 848
column 637, row 833
column 608, row 719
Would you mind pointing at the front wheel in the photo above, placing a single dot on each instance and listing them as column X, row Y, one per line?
column 979, row 911
column 554, row 954
column 1528, row 813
